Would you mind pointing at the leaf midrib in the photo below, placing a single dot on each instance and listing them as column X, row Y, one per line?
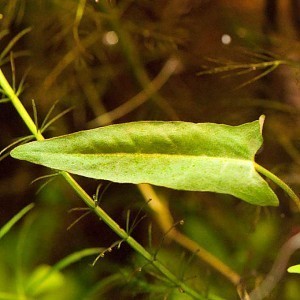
column 162, row 155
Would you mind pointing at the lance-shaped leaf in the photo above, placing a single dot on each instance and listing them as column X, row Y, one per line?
column 178, row 155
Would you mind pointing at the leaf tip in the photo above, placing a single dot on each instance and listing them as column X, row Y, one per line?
column 261, row 121
column 294, row 269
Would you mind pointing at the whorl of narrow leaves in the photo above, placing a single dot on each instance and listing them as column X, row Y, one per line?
column 179, row 155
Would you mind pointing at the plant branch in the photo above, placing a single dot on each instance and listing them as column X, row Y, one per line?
column 126, row 237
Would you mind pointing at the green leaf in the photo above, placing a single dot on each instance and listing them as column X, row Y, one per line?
column 6, row 228
column 178, row 155
column 52, row 282
column 46, row 277
column 294, row 269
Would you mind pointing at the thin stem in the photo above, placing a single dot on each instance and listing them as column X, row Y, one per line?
column 124, row 235
column 91, row 204
column 279, row 182
column 10, row 93
column 250, row 67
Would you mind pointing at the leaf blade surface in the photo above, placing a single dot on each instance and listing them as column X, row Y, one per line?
column 179, row 155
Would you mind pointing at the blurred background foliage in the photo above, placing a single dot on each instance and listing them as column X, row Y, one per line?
column 96, row 56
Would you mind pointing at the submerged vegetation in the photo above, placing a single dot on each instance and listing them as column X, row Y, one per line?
column 69, row 66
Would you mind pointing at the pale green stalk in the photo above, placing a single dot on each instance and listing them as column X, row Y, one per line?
column 91, row 204
column 279, row 182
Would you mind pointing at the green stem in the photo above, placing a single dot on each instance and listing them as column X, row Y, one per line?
column 126, row 237
column 91, row 204
column 279, row 182
column 10, row 93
